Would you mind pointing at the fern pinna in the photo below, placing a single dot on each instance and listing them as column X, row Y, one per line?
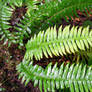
column 49, row 41
column 37, row 17
column 58, row 43
column 7, row 12
column 77, row 77
column 51, row 13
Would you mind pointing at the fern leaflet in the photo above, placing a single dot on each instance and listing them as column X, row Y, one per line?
column 78, row 77
column 58, row 43
column 51, row 13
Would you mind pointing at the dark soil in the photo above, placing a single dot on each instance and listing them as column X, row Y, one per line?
column 17, row 15
column 12, row 56
column 9, row 58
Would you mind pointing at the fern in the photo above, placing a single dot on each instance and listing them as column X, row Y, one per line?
column 77, row 77
column 5, row 13
column 51, row 13
column 52, row 43
column 7, row 7
column 5, row 16
column 37, row 17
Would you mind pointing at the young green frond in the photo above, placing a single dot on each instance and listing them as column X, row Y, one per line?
column 58, row 43
column 77, row 77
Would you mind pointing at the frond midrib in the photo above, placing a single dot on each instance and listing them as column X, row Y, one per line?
column 43, row 44
column 44, row 77
column 50, row 17
column 64, row 10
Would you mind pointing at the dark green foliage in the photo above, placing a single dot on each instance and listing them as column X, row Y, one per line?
column 5, row 13
column 7, row 8
column 5, row 16
column 51, row 13
column 77, row 77
column 46, row 40
column 37, row 17
column 87, row 23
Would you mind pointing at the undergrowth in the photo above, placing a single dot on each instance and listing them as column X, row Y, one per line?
column 39, row 28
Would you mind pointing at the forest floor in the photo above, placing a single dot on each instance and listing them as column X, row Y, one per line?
column 12, row 56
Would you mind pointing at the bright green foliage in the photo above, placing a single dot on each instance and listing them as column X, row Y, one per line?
column 77, row 77
column 51, row 13
column 58, row 43
column 2, row 89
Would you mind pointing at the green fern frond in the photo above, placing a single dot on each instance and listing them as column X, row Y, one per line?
column 41, row 18
column 51, row 13
column 5, row 16
column 7, row 7
column 77, row 77
column 58, row 43
column 5, row 13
